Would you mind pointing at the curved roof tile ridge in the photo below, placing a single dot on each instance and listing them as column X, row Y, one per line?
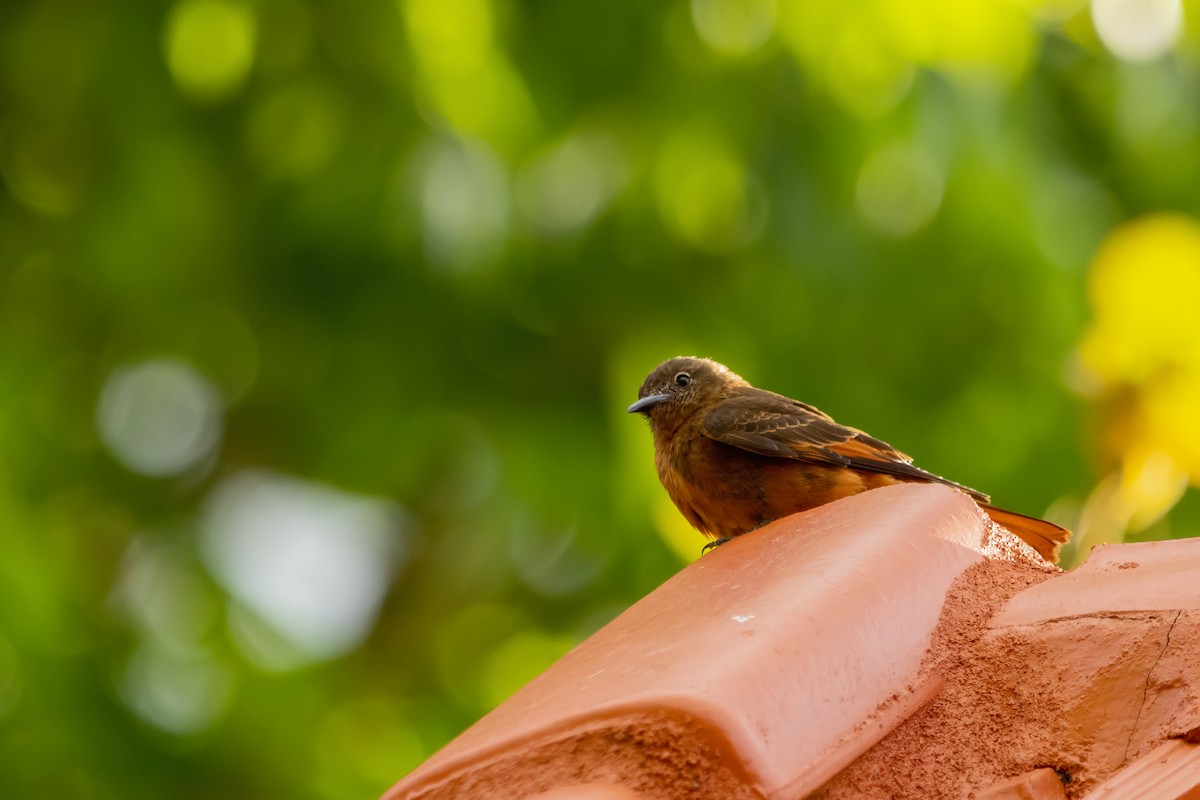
column 893, row 644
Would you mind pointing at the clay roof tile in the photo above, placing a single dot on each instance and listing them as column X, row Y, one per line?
column 868, row 648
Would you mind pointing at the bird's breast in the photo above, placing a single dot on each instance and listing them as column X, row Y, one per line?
column 714, row 486
column 725, row 491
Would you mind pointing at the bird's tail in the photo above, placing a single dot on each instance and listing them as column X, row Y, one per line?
column 1045, row 537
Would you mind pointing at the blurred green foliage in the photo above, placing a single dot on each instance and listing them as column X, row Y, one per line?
column 318, row 322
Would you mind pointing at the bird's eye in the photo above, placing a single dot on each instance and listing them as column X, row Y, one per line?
column 683, row 379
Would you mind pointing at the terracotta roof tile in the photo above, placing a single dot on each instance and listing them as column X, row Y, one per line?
column 1115, row 579
column 589, row 791
column 1040, row 784
column 866, row 649
column 1170, row 772
column 768, row 664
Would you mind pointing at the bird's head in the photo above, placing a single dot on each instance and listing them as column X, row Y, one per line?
column 679, row 386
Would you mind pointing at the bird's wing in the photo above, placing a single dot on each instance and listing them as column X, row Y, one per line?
column 773, row 425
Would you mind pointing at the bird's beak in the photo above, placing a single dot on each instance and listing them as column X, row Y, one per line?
column 648, row 402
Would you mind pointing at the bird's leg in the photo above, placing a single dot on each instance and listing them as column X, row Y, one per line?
column 724, row 539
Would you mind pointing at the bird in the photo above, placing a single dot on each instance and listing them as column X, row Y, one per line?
column 733, row 457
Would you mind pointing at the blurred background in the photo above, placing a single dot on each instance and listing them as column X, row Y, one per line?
column 318, row 322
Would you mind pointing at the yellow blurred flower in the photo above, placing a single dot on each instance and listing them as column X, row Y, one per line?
column 1141, row 355
column 1143, row 288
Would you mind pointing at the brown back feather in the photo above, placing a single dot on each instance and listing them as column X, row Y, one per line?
column 772, row 425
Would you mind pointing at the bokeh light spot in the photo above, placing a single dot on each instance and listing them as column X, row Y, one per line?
column 311, row 561
column 296, row 131
column 734, row 27
column 449, row 33
column 365, row 740
column 1071, row 215
column 458, row 643
column 517, row 661
column 465, row 81
column 706, row 196
column 567, row 187
column 865, row 75
column 261, row 643
column 993, row 38
column 177, row 693
column 464, row 203
column 210, row 46
column 1138, row 30
column 160, row 417
column 549, row 560
column 899, row 189
column 160, row 590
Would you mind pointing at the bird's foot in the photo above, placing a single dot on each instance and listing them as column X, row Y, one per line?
column 714, row 543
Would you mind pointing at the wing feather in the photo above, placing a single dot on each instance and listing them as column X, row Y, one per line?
column 776, row 426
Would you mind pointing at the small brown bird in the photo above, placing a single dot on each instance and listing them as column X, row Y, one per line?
column 733, row 457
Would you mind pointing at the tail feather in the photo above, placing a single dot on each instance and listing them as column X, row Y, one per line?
column 1043, row 536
